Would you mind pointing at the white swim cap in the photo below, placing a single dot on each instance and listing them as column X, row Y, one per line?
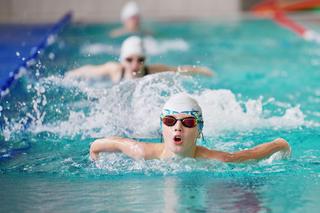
column 129, row 10
column 132, row 46
column 182, row 103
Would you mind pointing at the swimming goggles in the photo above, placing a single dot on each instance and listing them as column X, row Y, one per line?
column 188, row 122
column 140, row 59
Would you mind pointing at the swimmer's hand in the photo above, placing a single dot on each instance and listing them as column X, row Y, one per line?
column 93, row 156
column 286, row 149
column 94, row 151
column 195, row 70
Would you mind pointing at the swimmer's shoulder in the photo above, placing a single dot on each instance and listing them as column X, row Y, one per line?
column 202, row 152
column 112, row 67
column 152, row 150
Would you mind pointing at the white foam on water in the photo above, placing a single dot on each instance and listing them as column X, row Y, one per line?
column 10, row 127
column 98, row 48
column 118, row 163
column 152, row 47
column 115, row 163
column 132, row 108
column 128, row 108
column 223, row 112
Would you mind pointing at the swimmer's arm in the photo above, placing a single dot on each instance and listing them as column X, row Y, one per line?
column 118, row 32
column 262, row 151
column 94, row 71
column 156, row 68
column 259, row 152
column 194, row 70
column 132, row 148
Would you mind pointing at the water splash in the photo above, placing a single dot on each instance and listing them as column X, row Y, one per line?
column 118, row 164
column 132, row 108
column 223, row 112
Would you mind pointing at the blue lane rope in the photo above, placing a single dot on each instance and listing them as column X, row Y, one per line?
column 42, row 45
column 14, row 75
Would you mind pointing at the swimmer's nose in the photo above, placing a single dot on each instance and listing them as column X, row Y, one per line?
column 135, row 65
column 178, row 126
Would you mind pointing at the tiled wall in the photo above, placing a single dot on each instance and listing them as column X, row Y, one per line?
column 26, row 11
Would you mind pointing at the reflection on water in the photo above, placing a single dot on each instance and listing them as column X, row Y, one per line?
column 194, row 193
column 189, row 195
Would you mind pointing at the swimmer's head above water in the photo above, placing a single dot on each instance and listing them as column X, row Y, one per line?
column 131, row 65
column 182, row 123
column 183, row 104
column 130, row 16
column 131, row 21
column 132, row 56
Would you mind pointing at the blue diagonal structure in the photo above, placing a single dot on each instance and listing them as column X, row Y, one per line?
column 21, row 44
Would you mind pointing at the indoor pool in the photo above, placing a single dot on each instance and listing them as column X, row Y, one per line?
column 266, row 85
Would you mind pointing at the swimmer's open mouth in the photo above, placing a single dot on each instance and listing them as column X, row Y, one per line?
column 136, row 72
column 177, row 139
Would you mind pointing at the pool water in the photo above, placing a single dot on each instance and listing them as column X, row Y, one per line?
column 266, row 85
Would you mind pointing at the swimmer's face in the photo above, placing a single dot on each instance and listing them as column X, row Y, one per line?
column 132, row 23
column 179, row 139
column 134, row 64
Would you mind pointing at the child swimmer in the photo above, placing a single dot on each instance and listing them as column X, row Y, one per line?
column 182, row 124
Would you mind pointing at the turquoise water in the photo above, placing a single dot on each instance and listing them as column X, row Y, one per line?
column 265, row 86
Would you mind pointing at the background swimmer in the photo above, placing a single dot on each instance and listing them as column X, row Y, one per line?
column 131, row 20
column 132, row 65
column 182, row 123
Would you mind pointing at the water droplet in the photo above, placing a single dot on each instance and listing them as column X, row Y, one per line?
column 51, row 56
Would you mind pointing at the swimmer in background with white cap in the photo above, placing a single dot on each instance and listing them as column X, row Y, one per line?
column 131, row 20
column 182, row 124
column 131, row 65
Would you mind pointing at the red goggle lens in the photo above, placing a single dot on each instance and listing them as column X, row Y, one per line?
column 188, row 122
